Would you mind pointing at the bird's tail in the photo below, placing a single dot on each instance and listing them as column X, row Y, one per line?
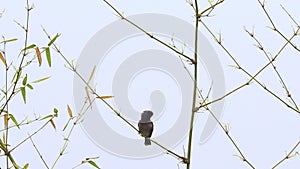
column 147, row 141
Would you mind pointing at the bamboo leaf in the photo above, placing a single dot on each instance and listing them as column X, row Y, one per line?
column 26, row 166
column 42, row 79
column 53, row 39
column 46, row 117
column 3, row 59
column 93, row 164
column 24, row 80
column 48, row 56
column 23, row 91
column 5, row 121
column 53, row 124
column 88, row 96
column 55, row 110
column 70, row 111
column 104, row 97
column 9, row 40
column 92, row 74
column 38, row 55
column 4, row 111
column 13, row 161
column 29, row 47
column 29, row 86
column 14, row 120
column 2, row 145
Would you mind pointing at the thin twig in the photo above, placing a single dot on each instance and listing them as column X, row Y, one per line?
column 226, row 131
column 210, row 9
column 290, row 16
column 37, row 150
column 168, row 151
column 147, row 33
column 31, row 135
column 260, row 46
column 288, row 156
column 274, row 28
column 252, row 77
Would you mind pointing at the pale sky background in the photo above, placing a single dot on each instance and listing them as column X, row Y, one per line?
column 263, row 127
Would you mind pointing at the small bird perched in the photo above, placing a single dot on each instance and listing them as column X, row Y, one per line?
column 146, row 126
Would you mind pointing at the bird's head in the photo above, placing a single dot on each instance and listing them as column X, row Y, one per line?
column 146, row 115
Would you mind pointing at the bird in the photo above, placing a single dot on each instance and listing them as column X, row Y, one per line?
column 146, row 126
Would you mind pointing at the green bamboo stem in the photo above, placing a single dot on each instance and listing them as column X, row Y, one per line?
column 189, row 153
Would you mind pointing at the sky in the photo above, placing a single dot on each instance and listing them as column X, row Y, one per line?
column 263, row 127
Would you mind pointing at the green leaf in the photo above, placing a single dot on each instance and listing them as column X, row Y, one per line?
column 4, row 111
column 42, row 79
column 53, row 39
column 23, row 91
column 48, row 56
column 29, row 47
column 93, row 164
column 46, row 117
column 1, row 143
column 9, row 40
column 55, row 110
column 26, row 166
column 14, row 120
column 24, row 80
column 29, row 86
